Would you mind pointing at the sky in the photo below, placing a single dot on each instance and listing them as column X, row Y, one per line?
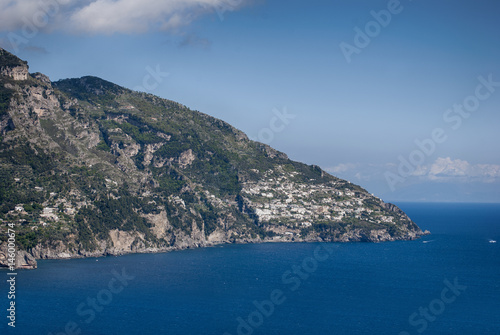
column 400, row 97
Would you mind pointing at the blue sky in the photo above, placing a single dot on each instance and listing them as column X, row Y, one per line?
column 356, row 113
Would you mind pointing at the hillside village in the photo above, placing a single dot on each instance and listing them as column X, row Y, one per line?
column 280, row 200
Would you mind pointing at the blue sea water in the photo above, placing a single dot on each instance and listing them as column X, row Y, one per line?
column 448, row 285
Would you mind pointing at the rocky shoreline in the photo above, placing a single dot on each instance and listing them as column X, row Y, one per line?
column 28, row 260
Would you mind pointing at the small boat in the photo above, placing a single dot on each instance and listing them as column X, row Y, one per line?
column 492, row 241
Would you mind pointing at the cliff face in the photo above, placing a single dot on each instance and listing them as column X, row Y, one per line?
column 24, row 259
column 12, row 67
column 90, row 168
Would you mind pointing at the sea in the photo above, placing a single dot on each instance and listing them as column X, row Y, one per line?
column 444, row 283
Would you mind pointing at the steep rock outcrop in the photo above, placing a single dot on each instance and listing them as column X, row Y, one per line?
column 24, row 259
column 12, row 67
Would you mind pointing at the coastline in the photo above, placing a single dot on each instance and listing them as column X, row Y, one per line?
column 28, row 260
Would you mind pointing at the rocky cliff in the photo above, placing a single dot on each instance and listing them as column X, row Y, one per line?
column 12, row 67
column 23, row 259
column 89, row 168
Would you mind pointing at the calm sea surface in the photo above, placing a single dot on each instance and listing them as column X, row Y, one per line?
column 448, row 285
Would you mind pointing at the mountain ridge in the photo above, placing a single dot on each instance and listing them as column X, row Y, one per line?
column 91, row 168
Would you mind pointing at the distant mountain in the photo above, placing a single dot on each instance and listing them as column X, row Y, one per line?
column 90, row 168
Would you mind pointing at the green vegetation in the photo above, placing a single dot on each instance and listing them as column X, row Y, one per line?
column 9, row 60
column 91, row 89
column 111, row 214
column 153, row 156
column 5, row 97
column 103, row 146
column 141, row 134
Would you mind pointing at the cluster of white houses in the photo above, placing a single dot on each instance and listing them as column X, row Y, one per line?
column 280, row 199
column 48, row 214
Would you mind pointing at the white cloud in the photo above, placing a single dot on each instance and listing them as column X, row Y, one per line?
column 343, row 167
column 358, row 172
column 447, row 169
column 108, row 16
column 13, row 14
column 443, row 169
